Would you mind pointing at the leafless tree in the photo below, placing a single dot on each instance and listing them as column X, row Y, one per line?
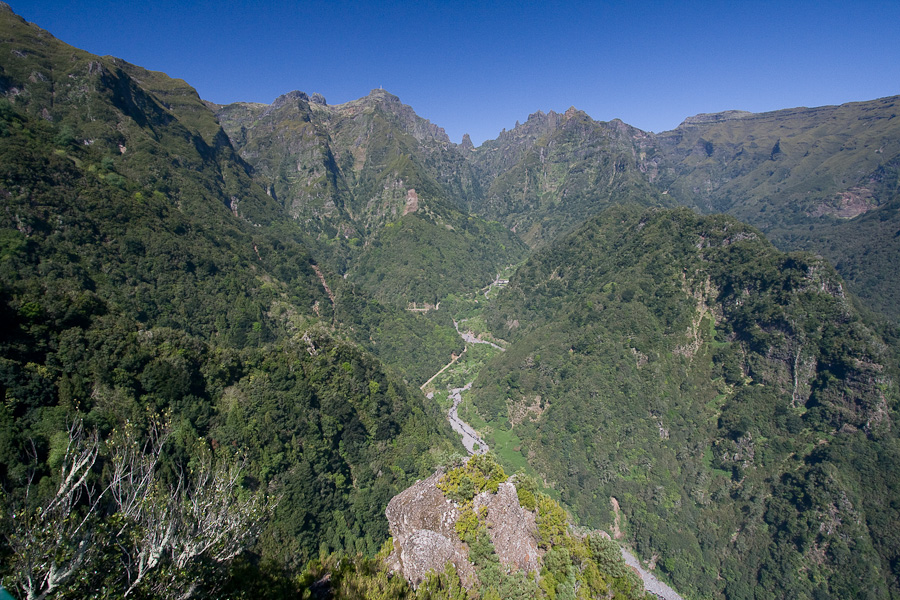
column 148, row 515
column 205, row 513
column 52, row 542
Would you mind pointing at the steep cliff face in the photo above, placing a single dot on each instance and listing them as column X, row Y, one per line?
column 382, row 193
column 421, row 521
column 549, row 174
column 513, row 530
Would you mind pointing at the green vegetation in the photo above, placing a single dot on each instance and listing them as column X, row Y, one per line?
column 713, row 386
column 863, row 250
column 463, row 371
column 144, row 275
column 380, row 190
column 732, row 398
column 480, row 473
column 546, row 177
column 415, row 260
column 586, row 565
column 820, row 179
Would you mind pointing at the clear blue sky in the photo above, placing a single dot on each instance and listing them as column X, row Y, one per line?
column 478, row 67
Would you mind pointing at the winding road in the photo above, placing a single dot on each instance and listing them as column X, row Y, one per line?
column 470, row 437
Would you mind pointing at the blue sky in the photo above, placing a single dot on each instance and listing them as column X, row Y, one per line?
column 478, row 67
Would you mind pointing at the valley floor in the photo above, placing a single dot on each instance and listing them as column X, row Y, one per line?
column 651, row 583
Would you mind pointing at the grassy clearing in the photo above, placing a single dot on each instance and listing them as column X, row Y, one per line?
column 463, row 370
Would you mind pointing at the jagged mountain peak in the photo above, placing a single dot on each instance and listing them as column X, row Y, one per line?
column 351, row 172
column 290, row 96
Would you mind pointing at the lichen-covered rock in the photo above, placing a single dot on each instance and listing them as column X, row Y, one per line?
column 513, row 529
column 421, row 506
column 425, row 551
column 422, row 519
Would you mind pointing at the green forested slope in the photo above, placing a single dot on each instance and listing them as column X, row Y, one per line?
column 145, row 277
column 147, row 158
column 805, row 176
column 796, row 163
column 728, row 396
column 864, row 249
column 822, row 179
column 382, row 192
column 548, row 175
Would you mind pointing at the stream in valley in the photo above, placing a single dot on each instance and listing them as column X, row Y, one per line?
column 474, row 444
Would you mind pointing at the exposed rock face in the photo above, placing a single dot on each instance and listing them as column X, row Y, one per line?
column 290, row 96
column 412, row 202
column 422, row 521
column 513, row 529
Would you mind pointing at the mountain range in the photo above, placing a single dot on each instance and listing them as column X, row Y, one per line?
column 699, row 332
column 821, row 179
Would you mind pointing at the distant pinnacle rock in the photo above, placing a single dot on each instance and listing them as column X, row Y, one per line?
column 285, row 98
column 466, row 143
column 318, row 98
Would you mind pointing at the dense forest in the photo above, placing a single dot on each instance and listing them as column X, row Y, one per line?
column 728, row 396
column 150, row 290
column 216, row 320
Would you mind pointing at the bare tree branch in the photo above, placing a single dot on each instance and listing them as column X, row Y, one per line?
column 51, row 543
column 207, row 514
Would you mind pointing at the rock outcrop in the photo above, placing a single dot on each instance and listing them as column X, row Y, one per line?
column 422, row 519
column 513, row 529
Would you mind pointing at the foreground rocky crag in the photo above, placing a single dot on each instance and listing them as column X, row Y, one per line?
column 422, row 523
column 422, row 520
column 499, row 537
